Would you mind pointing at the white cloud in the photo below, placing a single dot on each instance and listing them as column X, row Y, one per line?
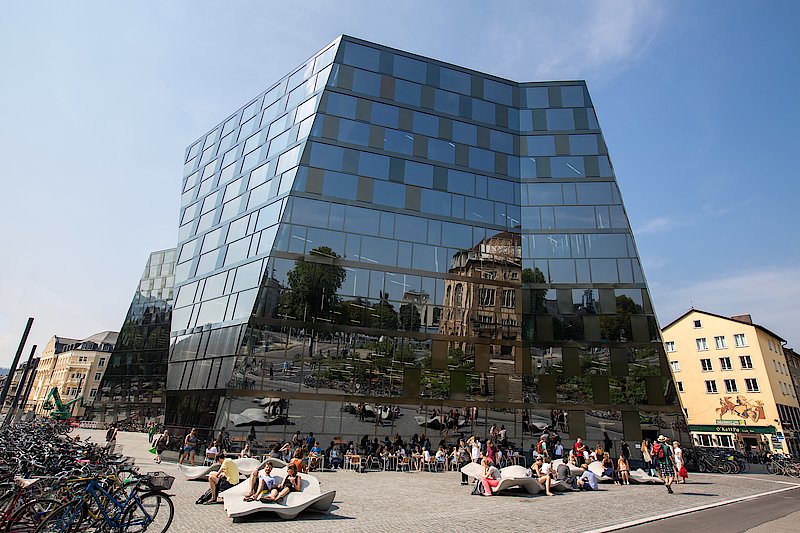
column 578, row 39
column 656, row 225
column 769, row 295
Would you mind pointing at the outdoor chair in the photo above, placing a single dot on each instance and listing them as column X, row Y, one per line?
column 405, row 463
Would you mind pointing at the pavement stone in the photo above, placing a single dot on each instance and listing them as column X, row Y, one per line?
column 424, row 501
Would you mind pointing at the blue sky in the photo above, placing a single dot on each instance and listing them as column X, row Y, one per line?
column 697, row 101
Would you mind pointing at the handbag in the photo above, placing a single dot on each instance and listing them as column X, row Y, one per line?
column 683, row 472
column 477, row 490
column 153, row 450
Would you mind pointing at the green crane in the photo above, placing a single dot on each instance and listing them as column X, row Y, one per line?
column 62, row 411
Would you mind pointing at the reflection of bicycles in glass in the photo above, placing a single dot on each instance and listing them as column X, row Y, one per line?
column 608, row 415
column 145, row 508
column 653, row 421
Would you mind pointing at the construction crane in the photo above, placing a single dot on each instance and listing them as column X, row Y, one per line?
column 60, row 410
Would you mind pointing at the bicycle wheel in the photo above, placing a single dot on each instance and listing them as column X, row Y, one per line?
column 771, row 467
column 151, row 512
column 723, row 467
column 30, row 515
column 67, row 518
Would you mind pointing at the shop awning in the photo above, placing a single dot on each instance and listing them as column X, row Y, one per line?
column 769, row 430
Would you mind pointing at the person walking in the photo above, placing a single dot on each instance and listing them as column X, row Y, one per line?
column 680, row 467
column 160, row 444
column 111, row 437
column 189, row 445
column 662, row 452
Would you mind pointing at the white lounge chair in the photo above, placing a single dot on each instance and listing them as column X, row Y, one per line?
column 309, row 497
column 640, row 476
column 245, row 465
column 511, row 477
column 596, row 468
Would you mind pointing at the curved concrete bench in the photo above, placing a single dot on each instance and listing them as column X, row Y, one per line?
column 245, row 465
column 512, row 477
column 309, row 497
column 596, row 468
column 640, row 476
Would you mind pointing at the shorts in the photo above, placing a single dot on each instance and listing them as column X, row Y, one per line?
column 223, row 485
column 666, row 469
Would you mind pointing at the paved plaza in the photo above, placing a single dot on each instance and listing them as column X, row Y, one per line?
column 391, row 501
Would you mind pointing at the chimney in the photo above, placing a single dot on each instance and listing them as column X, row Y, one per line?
column 745, row 319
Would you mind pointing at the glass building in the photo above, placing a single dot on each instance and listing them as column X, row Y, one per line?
column 133, row 385
column 383, row 242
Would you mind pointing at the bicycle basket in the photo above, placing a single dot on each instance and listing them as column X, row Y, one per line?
column 159, row 480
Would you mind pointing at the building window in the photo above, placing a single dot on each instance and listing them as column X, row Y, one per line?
column 739, row 340
column 698, row 324
column 485, row 319
column 670, row 346
column 679, row 385
column 97, row 376
column 486, row 296
column 509, row 298
column 725, row 441
column 720, row 343
column 101, row 362
column 705, row 440
column 730, row 385
column 92, row 393
column 725, row 363
column 769, row 343
column 706, row 365
column 746, row 362
column 489, row 275
column 514, row 275
column 711, row 386
column 702, row 345
column 676, row 366
column 751, row 384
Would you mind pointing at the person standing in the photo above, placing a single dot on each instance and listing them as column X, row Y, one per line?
column 111, row 438
column 646, row 458
column 662, row 452
column 680, row 468
column 624, row 450
column 578, row 450
column 607, row 444
column 189, row 445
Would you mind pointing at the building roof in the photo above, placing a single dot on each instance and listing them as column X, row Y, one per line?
column 742, row 319
column 104, row 337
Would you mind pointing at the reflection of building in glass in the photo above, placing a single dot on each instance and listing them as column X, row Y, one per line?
column 75, row 367
column 384, row 227
column 734, row 379
column 134, row 382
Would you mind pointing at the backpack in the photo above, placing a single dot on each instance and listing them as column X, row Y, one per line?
column 206, row 496
column 658, row 451
column 540, row 447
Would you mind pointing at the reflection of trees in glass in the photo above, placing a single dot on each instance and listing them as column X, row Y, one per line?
column 383, row 315
column 410, row 319
column 618, row 327
column 537, row 295
column 314, row 286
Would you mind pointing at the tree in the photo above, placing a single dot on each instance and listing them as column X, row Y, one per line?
column 314, row 286
column 383, row 315
column 410, row 319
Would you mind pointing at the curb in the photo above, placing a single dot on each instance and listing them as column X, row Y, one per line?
column 649, row 519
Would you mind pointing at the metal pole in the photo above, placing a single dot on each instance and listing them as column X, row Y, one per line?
column 13, row 368
column 10, row 415
column 28, row 387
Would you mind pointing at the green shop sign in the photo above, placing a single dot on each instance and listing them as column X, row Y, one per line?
column 722, row 428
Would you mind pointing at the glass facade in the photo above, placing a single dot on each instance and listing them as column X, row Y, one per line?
column 386, row 229
column 133, row 385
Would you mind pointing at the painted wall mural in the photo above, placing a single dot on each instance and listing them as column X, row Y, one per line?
column 752, row 410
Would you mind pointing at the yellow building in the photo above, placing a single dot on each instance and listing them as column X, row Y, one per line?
column 733, row 382
column 75, row 366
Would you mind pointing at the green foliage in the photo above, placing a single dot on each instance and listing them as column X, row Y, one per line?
column 314, row 287
column 410, row 319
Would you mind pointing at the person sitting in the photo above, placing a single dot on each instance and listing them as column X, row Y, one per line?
column 291, row 483
column 489, row 477
column 541, row 475
column 334, row 456
column 224, row 478
column 587, row 480
column 424, row 460
column 624, row 470
column 315, row 456
column 262, row 484
column 245, row 452
column 212, row 451
column 286, row 451
column 564, row 473
column 608, row 465
column 298, row 461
